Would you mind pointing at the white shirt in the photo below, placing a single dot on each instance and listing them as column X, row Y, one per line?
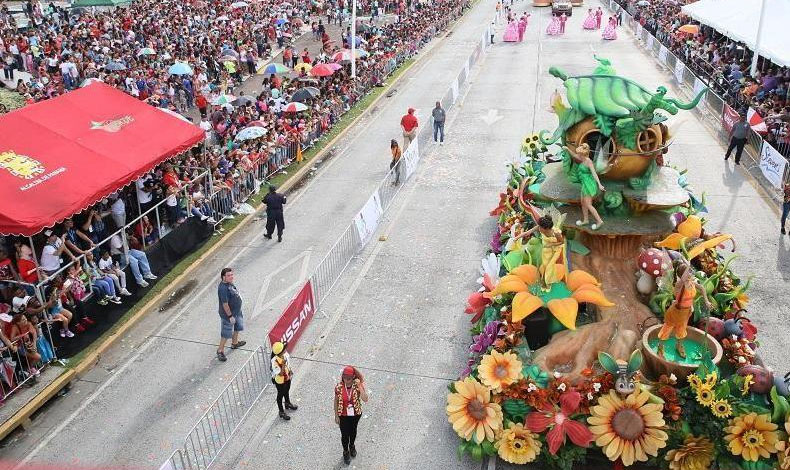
column 49, row 260
column 142, row 196
column 105, row 264
column 118, row 206
column 116, row 245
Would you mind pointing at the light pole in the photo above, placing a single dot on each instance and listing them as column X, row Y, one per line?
column 756, row 52
column 353, row 38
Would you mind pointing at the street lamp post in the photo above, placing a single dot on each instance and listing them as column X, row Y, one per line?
column 353, row 38
column 756, row 52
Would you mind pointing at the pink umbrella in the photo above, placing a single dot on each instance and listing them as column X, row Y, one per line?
column 335, row 67
column 322, row 70
column 294, row 107
column 256, row 124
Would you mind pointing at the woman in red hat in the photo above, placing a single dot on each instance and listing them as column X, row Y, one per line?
column 349, row 395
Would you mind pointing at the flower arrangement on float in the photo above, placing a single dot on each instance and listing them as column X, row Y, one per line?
column 734, row 414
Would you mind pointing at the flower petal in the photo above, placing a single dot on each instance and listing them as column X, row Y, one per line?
column 556, row 438
column 564, row 310
column 578, row 433
column 538, row 422
column 524, row 304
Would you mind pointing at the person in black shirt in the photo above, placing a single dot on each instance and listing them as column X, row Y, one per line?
column 274, row 213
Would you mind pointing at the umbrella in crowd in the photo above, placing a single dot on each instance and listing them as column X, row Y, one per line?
column 280, row 22
column 302, row 95
column 334, row 66
column 256, row 123
column 180, row 68
column 222, row 18
column 275, row 93
column 227, row 52
column 146, row 51
column 228, row 58
column 243, row 100
column 643, row 3
column 303, row 67
column 689, row 28
column 294, row 107
column 239, row 5
column 115, row 66
column 223, row 100
column 322, row 70
column 274, row 68
column 88, row 81
column 249, row 133
column 345, row 55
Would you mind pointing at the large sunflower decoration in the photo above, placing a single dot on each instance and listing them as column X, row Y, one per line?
column 472, row 413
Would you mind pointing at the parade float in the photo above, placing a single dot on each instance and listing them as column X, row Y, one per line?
column 609, row 327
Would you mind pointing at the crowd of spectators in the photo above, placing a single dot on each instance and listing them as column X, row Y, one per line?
column 723, row 64
column 61, row 49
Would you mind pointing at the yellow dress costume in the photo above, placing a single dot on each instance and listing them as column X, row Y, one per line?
column 552, row 263
column 676, row 318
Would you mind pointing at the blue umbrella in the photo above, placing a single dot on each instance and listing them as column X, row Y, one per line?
column 115, row 66
column 280, row 22
column 180, row 68
column 249, row 133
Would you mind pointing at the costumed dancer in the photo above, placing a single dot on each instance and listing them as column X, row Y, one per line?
column 598, row 18
column 610, row 32
column 552, row 256
column 522, row 26
column 349, row 395
column 563, row 20
column 554, row 28
column 590, row 184
column 677, row 316
column 281, row 376
column 589, row 22
column 511, row 32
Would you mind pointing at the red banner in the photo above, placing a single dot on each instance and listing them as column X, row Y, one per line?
column 295, row 318
column 729, row 117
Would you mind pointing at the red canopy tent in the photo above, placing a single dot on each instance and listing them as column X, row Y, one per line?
column 58, row 157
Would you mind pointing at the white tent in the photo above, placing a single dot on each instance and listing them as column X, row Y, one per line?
column 738, row 19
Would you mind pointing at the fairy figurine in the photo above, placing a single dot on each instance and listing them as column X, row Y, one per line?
column 552, row 262
column 677, row 316
column 590, row 184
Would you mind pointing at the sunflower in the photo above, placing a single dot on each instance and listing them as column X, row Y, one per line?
column 472, row 413
column 696, row 453
column 752, row 436
column 694, row 381
column 562, row 298
column 705, row 396
column 630, row 428
column 498, row 370
column 518, row 445
column 721, row 408
column 783, row 447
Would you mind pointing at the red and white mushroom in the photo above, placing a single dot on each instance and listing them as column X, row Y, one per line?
column 652, row 263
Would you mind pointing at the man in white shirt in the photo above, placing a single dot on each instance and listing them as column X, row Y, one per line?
column 118, row 212
column 50, row 255
column 144, row 193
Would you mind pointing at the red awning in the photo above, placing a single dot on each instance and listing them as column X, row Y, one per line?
column 60, row 156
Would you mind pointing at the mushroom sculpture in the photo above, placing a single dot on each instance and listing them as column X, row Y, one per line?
column 653, row 263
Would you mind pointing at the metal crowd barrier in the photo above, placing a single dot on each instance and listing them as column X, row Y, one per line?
column 16, row 369
column 713, row 105
column 216, row 427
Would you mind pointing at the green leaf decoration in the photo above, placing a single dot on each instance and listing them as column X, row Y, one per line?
column 476, row 452
column 515, row 410
column 537, row 375
column 451, row 387
column 642, row 182
column 488, row 448
column 490, row 314
column 723, row 390
column 604, row 124
column 761, row 464
column 513, row 260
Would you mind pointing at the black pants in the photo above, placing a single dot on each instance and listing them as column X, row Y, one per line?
column 736, row 144
column 283, row 391
column 398, row 167
column 348, row 431
column 272, row 219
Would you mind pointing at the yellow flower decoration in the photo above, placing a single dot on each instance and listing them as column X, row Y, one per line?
column 752, row 436
column 530, row 296
column 694, row 381
column 783, row 447
column 472, row 413
column 630, row 428
column 518, row 445
column 498, row 370
column 748, row 381
column 696, row 453
column 705, row 396
column 721, row 409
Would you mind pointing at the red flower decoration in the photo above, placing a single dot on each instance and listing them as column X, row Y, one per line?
column 560, row 422
column 476, row 305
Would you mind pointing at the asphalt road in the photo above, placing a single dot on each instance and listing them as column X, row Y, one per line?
column 397, row 313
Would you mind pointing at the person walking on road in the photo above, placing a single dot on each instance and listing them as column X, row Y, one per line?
column 231, row 319
column 409, row 125
column 395, row 162
column 281, row 377
column 349, row 395
column 738, row 135
column 274, row 213
column 438, row 122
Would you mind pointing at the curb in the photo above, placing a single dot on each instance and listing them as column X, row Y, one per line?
column 22, row 417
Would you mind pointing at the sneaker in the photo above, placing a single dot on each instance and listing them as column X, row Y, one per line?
column 150, row 276
column 62, row 333
column 352, row 451
column 143, row 284
column 238, row 345
column 346, row 458
column 284, row 416
column 221, row 356
column 291, row 406
column 102, row 301
column 116, row 300
column 125, row 292
column 69, row 334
